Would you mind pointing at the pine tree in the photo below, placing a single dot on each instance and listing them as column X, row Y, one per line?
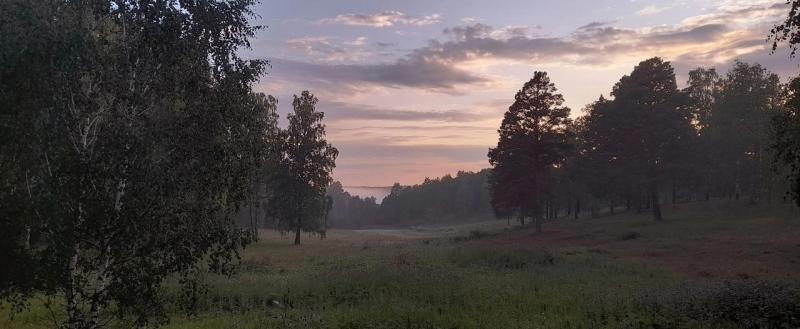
column 533, row 141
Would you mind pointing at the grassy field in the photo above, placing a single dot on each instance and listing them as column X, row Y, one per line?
column 709, row 265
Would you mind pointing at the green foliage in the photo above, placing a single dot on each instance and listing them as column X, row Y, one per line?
column 334, row 283
column 130, row 132
column 440, row 288
column 298, row 201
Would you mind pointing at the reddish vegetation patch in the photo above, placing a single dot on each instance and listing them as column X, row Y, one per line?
column 752, row 248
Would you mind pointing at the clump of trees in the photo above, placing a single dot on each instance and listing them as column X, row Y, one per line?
column 647, row 144
column 636, row 141
column 130, row 141
column 786, row 142
column 129, row 133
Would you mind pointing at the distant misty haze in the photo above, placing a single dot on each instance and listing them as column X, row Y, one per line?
column 378, row 192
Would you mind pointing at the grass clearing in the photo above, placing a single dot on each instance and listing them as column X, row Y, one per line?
column 611, row 272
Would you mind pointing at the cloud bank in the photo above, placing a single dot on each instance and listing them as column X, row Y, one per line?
column 382, row 19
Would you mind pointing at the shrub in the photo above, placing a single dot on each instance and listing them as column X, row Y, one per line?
column 737, row 304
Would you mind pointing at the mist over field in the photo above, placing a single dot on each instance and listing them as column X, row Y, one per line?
column 399, row 164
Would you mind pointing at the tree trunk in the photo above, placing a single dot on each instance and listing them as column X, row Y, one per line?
column 628, row 199
column 674, row 192
column 769, row 191
column 71, row 293
column 27, row 238
column 537, row 221
column 569, row 207
column 736, row 192
column 577, row 208
column 547, row 209
column 297, row 236
column 656, row 202
column 638, row 201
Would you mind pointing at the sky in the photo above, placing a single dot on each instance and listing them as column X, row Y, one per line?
column 417, row 88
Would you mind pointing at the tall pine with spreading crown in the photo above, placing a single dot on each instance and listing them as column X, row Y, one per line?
column 533, row 141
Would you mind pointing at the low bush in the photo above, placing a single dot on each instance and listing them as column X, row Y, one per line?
column 732, row 304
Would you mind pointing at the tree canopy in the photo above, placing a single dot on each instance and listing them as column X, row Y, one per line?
column 130, row 131
column 308, row 159
column 533, row 141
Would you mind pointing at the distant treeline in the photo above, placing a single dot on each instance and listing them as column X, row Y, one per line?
column 448, row 199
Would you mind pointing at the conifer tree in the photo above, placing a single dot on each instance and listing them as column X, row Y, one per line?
column 533, row 141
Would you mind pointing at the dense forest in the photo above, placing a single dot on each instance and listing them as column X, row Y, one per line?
column 649, row 143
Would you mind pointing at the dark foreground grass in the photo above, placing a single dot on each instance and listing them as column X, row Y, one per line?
column 446, row 288
column 348, row 281
column 472, row 287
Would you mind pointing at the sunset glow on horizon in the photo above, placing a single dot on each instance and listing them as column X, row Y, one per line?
column 418, row 88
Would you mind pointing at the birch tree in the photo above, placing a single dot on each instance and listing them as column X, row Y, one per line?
column 130, row 132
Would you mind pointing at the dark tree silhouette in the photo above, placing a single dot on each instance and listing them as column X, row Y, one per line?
column 789, row 30
column 642, row 133
column 599, row 163
column 300, row 202
column 749, row 97
column 533, row 141
column 703, row 88
column 786, row 139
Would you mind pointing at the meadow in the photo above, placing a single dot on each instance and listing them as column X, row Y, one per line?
column 709, row 265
